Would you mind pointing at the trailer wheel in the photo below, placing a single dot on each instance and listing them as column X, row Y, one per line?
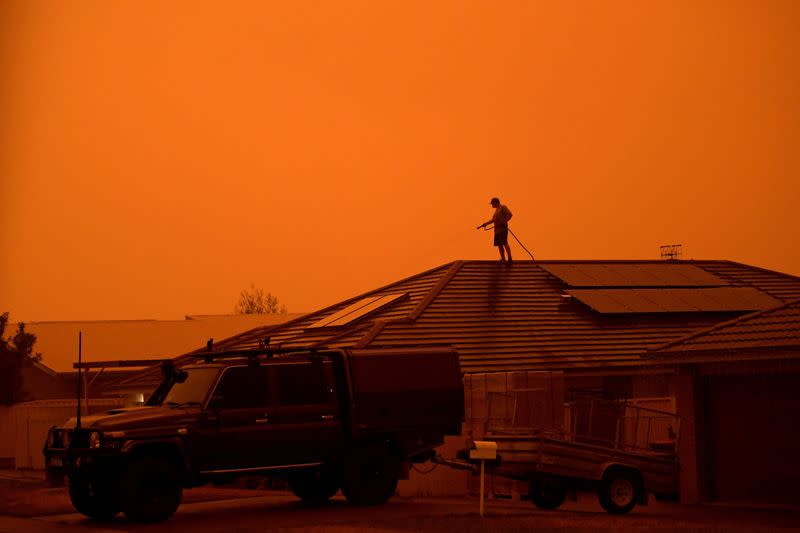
column 370, row 478
column 151, row 490
column 94, row 498
column 316, row 486
column 547, row 492
column 618, row 491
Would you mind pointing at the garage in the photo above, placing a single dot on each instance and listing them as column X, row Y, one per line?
column 738, row 397
column 753, row 438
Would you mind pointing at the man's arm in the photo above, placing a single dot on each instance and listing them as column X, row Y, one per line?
column 490, row 221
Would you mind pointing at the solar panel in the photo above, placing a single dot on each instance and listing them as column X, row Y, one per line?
column 632, row 275
column 718, row 299
column 357, row 310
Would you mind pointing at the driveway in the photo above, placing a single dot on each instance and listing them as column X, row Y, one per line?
column 269, row 511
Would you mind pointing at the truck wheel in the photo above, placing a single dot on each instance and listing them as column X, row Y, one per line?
column 92, row 497
column 151, row 490
column 370, row 479
column 618, row 491
column 547, row 492
column 315, row 486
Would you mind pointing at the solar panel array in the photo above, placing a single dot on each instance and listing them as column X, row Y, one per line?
column 632, row 275
column 357, row 310
column 671, row 300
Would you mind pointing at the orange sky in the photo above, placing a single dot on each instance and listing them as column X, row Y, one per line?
column 156, row 158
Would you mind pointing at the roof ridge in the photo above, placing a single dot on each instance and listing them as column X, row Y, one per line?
column 374, row 331
column 423, row 304
column 723, row 325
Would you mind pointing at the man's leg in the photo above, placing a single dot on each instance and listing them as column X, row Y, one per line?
column 508, row 251
column 502, row 253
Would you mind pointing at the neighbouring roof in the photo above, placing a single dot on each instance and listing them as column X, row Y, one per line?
column 136, row 339
column 778, row 327
column 514, row 318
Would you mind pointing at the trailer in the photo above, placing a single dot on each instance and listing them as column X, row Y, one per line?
column 619, row 449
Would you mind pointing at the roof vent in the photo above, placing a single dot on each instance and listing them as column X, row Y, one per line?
column 671, row 251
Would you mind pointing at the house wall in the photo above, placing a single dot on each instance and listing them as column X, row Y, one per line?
column 689, row 408
column 491, row 400
column 632, row 384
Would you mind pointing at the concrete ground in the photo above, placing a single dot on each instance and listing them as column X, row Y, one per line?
column 219, row 509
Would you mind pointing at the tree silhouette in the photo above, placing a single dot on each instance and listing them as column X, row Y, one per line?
column 16, row 354
column 253, row 301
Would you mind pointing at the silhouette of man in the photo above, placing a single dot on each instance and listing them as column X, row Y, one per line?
column 502, row 214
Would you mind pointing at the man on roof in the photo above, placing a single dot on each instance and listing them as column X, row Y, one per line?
column 502, row 214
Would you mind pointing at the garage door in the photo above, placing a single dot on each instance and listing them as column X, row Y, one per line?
column 753, row 445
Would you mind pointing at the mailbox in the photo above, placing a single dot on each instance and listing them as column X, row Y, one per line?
column 483, row 450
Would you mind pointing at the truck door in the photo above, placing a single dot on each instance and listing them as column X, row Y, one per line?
column 306, row 417
column 239, row 406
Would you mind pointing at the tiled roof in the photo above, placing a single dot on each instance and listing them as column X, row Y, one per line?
column 772, row 328
column 784, row 287
column 512, row 318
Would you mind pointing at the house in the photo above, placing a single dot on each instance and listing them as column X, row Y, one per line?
column 737, row 395
column 584, row 325
column 590, row 319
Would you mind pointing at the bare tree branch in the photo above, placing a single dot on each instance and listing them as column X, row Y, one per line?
column 253, row 301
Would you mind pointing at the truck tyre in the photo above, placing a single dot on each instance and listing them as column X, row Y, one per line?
column 151, row 490
column 547, row 492
column 317, row 486
column 618, row 491
column 93, row 497
column 370, row 478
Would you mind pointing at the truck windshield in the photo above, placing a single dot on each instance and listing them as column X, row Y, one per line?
column 193, row 390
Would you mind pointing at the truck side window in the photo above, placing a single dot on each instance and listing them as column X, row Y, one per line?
column 242, row 387
column 304, row 384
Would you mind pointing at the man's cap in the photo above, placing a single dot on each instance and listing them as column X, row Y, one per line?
column 493, row 200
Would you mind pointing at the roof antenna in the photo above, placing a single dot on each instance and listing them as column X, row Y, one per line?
column 80, row 343
column 671, row 252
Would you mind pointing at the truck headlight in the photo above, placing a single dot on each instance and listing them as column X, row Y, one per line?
column 95, row 439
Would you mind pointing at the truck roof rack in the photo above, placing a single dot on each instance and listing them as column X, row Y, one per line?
column 130, row 363
column 210, row 356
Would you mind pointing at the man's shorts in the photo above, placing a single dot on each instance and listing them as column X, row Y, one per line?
column 500, row 235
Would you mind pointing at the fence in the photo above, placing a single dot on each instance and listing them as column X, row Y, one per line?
column 24, row 426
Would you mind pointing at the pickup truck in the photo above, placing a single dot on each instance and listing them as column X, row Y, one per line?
column 325, row 420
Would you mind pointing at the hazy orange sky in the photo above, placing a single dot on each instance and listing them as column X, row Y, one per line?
column 158, row 157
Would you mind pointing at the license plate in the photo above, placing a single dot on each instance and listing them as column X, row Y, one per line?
column 56, row 461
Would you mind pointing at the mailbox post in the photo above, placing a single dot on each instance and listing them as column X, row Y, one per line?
column 483, row 451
